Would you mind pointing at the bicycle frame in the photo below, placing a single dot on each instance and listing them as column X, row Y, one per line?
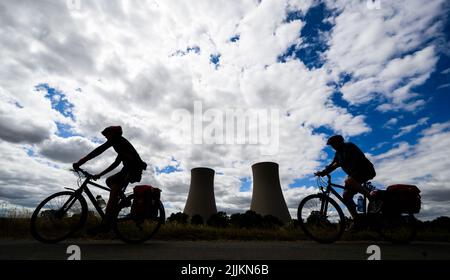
column 329, row 189
column 84, row 188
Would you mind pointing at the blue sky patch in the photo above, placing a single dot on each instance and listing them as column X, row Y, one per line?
column 246, row 184
column 30, row 152
column 169, row 168
column 294, row 15
column 337, row 177
column 323, row 130
column 313, row 34
column 58, row 100
column 215, row 59
column 301, row 182
column 65, row 130
column 235, row 38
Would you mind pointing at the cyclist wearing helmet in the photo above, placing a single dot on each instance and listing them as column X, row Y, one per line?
column 130, row 173
column 355, row 164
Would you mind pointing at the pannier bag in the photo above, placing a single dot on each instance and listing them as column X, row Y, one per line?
column 402, row 199
column 145, row 202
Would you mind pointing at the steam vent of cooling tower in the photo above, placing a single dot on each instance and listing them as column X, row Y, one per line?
column 201, row 199
column 267, row 198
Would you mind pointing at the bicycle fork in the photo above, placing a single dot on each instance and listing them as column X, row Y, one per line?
column 324, row 205
column 69, row 203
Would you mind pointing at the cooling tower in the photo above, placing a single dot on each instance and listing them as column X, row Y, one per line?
column 201, row 199
column 267, row 198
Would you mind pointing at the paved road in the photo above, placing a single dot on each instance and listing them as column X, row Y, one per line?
column 221, row 250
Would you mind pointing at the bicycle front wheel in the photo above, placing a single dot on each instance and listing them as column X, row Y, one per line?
column 133, row 229
column 321, row 218
column 58, row 216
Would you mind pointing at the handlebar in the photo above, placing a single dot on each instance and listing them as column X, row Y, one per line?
column 321, row 182
column 84, row 172
column 328, row 176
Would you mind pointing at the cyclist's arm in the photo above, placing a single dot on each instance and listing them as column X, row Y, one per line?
column 330, row 168
column 111, row 167
column 97, row 151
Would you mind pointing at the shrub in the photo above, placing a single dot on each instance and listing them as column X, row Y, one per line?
column 249, row 219
column 197, row 220
column 270, row 221
column 179, row 218
column 218, row 220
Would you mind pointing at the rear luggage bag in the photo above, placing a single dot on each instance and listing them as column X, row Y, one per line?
column 401, row 198
column 145, row 202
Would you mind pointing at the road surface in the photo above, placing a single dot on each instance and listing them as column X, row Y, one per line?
column 221, row 250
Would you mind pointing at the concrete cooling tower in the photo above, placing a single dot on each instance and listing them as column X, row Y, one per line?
column 201, row 199
column 267, row 198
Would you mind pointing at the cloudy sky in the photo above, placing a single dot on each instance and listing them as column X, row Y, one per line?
column 376, row 72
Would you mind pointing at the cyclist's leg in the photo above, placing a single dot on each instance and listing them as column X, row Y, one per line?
column 349, row 193
column 116, row 183
column 357, row 184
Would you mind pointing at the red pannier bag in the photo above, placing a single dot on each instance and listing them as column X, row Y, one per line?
column 402, row 198
column 145, row 202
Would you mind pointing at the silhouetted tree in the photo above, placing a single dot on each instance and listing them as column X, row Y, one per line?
column 236, row 219
column 248, row 220
column 421, row 224
column 270, row 221
column 197, row 220
column 253, row 219
column 179, row 218
column 441, row 222
column 218, row 220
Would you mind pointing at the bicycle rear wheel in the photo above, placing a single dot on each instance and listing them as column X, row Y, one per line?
column 399, row 228
column 58, row 216
column 321, row 218
column 132, row 229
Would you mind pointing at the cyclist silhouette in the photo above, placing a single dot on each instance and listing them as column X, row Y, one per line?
column 131, row 172
column 355, row 164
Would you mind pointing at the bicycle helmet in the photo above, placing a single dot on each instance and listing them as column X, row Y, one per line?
column 112, row 131
column 335, row 140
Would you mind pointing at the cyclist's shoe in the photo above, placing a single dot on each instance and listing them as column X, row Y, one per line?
column 102, row 228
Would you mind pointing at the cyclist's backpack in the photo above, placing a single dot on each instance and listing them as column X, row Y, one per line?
column 145, row 202
column 402, row 199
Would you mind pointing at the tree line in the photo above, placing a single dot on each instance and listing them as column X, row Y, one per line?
column 249, row 219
